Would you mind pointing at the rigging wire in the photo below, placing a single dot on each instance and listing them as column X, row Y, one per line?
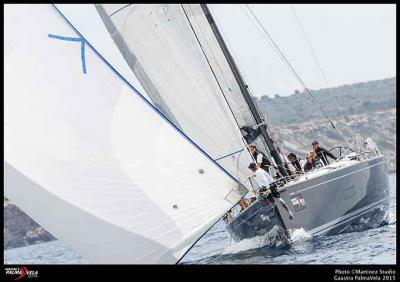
column 232, row 53
column 317, row 61
column 214, row 57
column 320, row 67
column 120, row 9
column 209, row 64
column 237, row 62
column 222, row 73
column 265, row 33
column 242, row 73
column 216, row 79
column 271, row 129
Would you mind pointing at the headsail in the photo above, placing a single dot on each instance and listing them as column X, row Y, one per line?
column 224, row 74
column 210, row 35
column 159, row 42
column 219, row 64
column 86, row 156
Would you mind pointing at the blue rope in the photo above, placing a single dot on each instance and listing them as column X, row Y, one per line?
column 142, row 97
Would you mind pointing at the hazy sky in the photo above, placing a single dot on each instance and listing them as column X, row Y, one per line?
column 353, row 43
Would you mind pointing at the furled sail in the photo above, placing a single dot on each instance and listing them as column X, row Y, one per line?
column 89, row 158
column 159, row 43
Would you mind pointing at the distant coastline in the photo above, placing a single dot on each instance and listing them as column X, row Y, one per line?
column 370, row 109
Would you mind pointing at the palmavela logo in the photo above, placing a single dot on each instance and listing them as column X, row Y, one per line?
column 21, row 273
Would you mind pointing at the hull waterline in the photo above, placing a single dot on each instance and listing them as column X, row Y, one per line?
column 322, row 205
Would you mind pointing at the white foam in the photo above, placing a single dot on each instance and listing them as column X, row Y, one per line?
column 299, row 235
column 391, row 217
column 298, row 239
column 244, row 245
column 273, row 238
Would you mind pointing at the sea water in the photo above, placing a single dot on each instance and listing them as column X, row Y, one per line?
column 371, row 246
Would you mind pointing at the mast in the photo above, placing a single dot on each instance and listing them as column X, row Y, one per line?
column 244, row 89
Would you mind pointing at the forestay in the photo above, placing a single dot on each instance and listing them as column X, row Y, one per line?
column 223, row 73
column 89, row 159
column 219, row 64
column 160, row 45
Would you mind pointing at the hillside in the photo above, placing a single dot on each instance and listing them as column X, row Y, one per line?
column 380, row 126
column 359, row 98
column 20, row 230
column 370, row 109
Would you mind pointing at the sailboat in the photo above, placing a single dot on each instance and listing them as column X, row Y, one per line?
column 124, row 134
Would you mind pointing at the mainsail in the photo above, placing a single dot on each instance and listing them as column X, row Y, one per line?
column 219, row 65
column 90, row 159
column 161, row 45
column 211, row 36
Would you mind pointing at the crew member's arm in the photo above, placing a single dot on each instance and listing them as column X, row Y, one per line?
column 326, row 152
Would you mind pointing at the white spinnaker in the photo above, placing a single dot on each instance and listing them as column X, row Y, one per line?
column 162, row 41
column 89, row 160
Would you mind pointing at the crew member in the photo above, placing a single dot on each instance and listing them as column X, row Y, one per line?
column 295, row 162
column 322, row 153
column 261, row 159
column 268, row 187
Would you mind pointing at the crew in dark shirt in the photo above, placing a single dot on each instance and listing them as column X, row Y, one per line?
column 250, row 134
column 295, row 162
column 322, row 153
column 260, row 158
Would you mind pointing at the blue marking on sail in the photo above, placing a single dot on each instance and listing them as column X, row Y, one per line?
column 144, row 98
column 75, row 39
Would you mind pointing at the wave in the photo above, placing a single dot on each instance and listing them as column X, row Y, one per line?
column 275, row 238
